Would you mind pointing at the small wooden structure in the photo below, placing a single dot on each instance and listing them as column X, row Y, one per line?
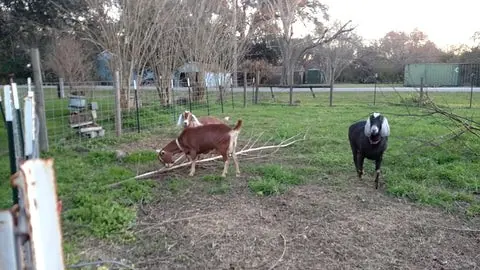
column 83, row 118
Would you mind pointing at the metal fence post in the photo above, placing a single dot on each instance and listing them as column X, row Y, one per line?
column 189, row 95
column 10, row 135
column 18, row 122
column 472, row 76
column 136, row 104
column 421, row 92
column 220, row 89
column 207, row 99
column 257, row 82
column 118, row 108
column 375, row 90
column 174, row 112
column 245, row 89
column 231, row 88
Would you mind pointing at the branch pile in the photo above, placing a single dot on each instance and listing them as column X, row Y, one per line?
column 249, row 148
column 463, row 123
column 460, row 124
column 246, row 151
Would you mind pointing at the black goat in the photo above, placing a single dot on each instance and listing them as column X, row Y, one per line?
column 369, row 139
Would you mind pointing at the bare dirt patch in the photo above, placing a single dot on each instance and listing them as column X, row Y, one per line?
column 308, row 227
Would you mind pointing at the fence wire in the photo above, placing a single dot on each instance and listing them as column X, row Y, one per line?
column 65, row 121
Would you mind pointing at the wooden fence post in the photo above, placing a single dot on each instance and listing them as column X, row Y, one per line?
column 39, row 100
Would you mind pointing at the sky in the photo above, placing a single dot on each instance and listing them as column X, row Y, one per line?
column 445, row 22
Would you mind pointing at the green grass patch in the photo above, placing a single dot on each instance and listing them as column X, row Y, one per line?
column 219, row 188
column 177, row 185
column 99, row 210
column 141, row 156
column 272, row 179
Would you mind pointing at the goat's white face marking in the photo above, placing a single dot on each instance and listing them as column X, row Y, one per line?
column 180, row 119
column 370, row 129
column 385, row 132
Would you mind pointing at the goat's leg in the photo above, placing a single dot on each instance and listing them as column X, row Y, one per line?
column 237, row 167
column 360, row 159
column 192, row 166
column 354, row 154
column 225, row 165
column 378, row 164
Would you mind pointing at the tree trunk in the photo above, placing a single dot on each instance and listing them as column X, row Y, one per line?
column 198, row 88
column 287, row 70
column 164, row 90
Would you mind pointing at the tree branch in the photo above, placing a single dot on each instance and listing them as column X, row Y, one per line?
column 322, row 40
column 285, row 143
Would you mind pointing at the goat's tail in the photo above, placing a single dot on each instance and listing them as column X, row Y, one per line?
column 238, row 126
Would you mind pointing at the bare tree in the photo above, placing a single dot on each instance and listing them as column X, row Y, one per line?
column 206, row 34
column 127, row 29
column 336, row 56
column 287, row 12
column 69, row 60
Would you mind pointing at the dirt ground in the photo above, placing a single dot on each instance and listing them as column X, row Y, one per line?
column 308, row 227
column 314, row 226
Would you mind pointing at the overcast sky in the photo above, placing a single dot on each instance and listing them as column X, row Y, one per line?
column 444, row 22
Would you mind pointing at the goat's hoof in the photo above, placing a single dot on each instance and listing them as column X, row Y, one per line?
column 237, row 175
column 190, row 174
column 360, row 174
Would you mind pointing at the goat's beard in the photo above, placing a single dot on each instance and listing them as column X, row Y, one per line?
column 374, row 139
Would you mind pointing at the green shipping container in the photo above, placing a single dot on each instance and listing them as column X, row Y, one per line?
column 433, row 74
column 314, row 76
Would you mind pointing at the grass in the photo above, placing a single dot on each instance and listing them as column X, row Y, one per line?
column 273, row 179
column 445, row 176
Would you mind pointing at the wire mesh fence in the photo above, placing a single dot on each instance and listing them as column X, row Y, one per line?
column 90, row 106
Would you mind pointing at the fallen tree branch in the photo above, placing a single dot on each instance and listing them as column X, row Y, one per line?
column 174, row 220
column 283, row 253
column 282, row 144
column 80, row 265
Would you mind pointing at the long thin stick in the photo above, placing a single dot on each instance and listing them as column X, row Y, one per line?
column 284, row 143
column 217, row 157
column 175, row 220
column 80, row 265
column 283, row 253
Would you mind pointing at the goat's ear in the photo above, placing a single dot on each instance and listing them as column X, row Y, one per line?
column 385, row 131
column 367, row 131
column 158, row 151
column 194, row 118
column 180, row 119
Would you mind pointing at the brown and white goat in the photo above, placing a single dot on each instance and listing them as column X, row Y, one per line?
column 201, row 140
column 188, row 119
